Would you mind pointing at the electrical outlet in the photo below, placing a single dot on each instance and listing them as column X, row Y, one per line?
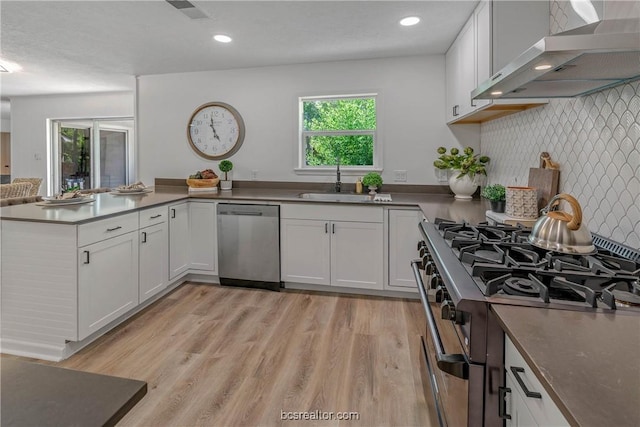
column 400, row 176
column 254, row 175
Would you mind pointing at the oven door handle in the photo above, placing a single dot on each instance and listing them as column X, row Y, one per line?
column 453, row 364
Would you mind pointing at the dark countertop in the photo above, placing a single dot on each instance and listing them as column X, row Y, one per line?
column 42, row 395
column 589, row 363
column 106, row 205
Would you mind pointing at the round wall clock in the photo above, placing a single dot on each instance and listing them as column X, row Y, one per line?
column 215, row 130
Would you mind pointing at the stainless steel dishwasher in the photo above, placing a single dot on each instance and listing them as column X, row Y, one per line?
column 249, row 245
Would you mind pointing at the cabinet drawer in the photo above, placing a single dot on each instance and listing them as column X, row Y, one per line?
column 153, row 216
column 107, row 228
column 332, row 212
column 543, row 408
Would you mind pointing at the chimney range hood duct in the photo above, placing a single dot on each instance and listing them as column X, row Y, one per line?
column 569, row 64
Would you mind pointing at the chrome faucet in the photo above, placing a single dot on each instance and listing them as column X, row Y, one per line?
column 338, row 183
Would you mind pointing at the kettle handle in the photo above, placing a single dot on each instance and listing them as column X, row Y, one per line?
column 575, row 221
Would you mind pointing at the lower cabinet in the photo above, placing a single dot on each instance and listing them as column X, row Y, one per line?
column 154, row 271
column 107, row 281
column 527, row 402
column 179, row 239
column 403, row 248
column 203, row 232
column 319, row 249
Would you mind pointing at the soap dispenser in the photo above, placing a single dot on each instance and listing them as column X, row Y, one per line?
column 359, row 186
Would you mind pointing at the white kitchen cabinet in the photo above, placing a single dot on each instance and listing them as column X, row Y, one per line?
column 537, row 409
column 179, row 239
column 332, row 245
column 494, row 35
column 305, row 249
column 203, row 242
column 107, row 281
column 460, row 72
column 154, row 271
column 403, row 247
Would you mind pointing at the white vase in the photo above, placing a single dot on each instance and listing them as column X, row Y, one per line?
column 462, row 187
column 372, row 190
column 226, row 185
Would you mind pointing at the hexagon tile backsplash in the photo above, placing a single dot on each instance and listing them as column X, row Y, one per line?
column 596, row 141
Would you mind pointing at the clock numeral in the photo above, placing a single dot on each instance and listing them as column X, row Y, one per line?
column 216, row 113
column 233, row 130
column 230, row 121
column 195, row 131
column 206, row 146
column 198, row 122
column 206, row 116
column 230, row 139
column 199, row 141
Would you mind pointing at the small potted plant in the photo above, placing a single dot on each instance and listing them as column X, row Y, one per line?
column 497, row 196
column 225, row 167
column 372, row 180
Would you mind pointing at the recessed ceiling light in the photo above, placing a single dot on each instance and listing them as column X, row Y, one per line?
column 222, row 38
column 496, row 93
column 409, row 21
column 542, row 67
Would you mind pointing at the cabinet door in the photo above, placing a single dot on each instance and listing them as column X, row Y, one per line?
column 482, row 17
column 466, row 67
column 202, row 223
column 516, row 407
column 107, row 281
column 154, row 272
column 305, row 251
column 356, row 255
column 179, row 254
column 451, row 71
column 403, row 242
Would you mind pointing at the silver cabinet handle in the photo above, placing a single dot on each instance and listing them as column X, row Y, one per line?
column 155, row 216
column 114, row 228
column 326, row 227
column 86, row 259
column 144, row 237
column 516, row 370
column 173, row 213
column 333, row 229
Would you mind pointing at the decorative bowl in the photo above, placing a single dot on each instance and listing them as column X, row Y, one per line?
column 202, row 183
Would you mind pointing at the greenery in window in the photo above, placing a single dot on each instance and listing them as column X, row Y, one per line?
column 343, row 128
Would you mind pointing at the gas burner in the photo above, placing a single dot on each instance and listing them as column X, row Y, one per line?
column 622, row 294
column 521, row 286
column 518, row 256
column 626, row 299
column 481, row 252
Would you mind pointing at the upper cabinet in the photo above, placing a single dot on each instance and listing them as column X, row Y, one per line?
column 496, row 33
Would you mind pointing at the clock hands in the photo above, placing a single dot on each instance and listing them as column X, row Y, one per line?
column 215, row 134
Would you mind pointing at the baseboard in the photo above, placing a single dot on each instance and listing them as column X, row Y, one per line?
column 352, row 291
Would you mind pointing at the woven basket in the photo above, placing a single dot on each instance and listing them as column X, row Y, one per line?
column 202, row 183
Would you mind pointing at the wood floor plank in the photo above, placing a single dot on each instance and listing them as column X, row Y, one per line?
column 219, row 356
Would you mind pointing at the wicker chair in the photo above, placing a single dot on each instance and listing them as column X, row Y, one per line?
column 20, row 200
column 35, row 182
column 18, row 189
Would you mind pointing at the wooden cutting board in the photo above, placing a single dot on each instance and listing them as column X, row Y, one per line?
column 546, row 182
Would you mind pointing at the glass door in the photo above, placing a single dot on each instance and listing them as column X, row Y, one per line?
column 90, row 153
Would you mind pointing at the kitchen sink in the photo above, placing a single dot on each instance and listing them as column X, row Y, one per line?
column 337, row 197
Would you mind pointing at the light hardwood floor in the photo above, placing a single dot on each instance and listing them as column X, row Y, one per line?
column 216, row 356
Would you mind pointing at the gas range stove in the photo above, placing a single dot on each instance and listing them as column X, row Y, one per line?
column 506, row 267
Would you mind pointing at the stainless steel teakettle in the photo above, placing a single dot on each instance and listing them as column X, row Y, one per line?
column 560, row 231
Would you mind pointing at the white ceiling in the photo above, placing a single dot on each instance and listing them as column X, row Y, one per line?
column 96, row 46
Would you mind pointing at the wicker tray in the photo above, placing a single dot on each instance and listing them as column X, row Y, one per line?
column 202, row 183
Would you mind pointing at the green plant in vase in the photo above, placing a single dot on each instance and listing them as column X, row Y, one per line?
column 225, row 166
column 466, row 166
column 372, row 180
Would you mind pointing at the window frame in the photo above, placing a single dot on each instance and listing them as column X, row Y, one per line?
column 303, row 168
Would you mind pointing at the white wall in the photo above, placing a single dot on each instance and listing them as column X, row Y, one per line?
column 29, row 116
column 411, row 112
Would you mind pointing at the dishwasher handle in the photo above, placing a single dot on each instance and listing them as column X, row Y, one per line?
column 243, row 213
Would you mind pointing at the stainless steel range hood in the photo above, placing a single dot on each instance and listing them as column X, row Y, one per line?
column 574, row 63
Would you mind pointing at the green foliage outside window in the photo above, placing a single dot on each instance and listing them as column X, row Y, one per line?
column 341, row 128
